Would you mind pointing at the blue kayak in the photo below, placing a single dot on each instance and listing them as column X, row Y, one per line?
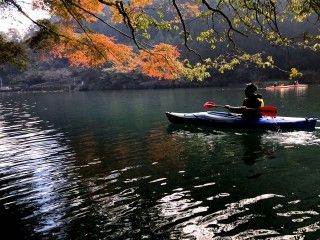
column 225, row 119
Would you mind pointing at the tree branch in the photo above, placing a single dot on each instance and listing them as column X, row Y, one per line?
column 231, row 28
column 83, row 29
column 127, row 21
column 186, row 33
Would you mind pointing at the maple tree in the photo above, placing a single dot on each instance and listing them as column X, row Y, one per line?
column 221, row 24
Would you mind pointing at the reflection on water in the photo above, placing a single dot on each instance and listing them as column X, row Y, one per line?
column 85, row 172
column 284, row 92
column 297, row 138
column 253, row 148
column 226, row 220
column 33, row 168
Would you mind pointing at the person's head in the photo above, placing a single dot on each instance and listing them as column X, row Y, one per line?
column 250, row 89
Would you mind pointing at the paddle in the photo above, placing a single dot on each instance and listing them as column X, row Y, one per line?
column 265, row 111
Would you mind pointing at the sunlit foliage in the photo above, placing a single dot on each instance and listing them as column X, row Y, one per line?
column 94, row 50
column 161, row 62
column 221, row 24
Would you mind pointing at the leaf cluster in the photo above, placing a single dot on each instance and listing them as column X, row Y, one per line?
column 12, row 53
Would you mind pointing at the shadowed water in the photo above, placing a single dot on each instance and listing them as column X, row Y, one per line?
column 109, row 165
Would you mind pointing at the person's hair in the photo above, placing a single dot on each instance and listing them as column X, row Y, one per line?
column 251, row 88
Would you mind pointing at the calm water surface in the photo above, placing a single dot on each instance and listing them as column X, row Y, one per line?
column 108, row 165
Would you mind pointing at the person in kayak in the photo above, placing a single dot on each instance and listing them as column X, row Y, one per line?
column 251, row 104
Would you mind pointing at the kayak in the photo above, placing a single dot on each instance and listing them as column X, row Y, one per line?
column 299, row 85
column 277, row 87
column 225, row 119
column 287, row 86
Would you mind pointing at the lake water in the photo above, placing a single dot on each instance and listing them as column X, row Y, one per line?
column 109, row 165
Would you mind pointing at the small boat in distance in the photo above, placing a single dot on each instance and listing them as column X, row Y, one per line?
column 292, row 86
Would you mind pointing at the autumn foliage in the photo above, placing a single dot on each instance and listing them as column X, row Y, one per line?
column 161, row 62
column 133, row 9
column 95, row 50
column 222, row 22
column 86, row 49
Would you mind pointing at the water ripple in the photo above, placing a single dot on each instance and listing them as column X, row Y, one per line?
column 212, row 225
column 33, row 167
column 69, row 176
column 294, row 138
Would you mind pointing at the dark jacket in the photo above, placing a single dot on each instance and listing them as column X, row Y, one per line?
column 250, row 105
column 254, row 101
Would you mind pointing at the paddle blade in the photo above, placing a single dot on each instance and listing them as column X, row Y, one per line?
column 269, row 111
column 208, row 105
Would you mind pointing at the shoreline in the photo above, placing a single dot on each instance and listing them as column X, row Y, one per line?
column 237, row 86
